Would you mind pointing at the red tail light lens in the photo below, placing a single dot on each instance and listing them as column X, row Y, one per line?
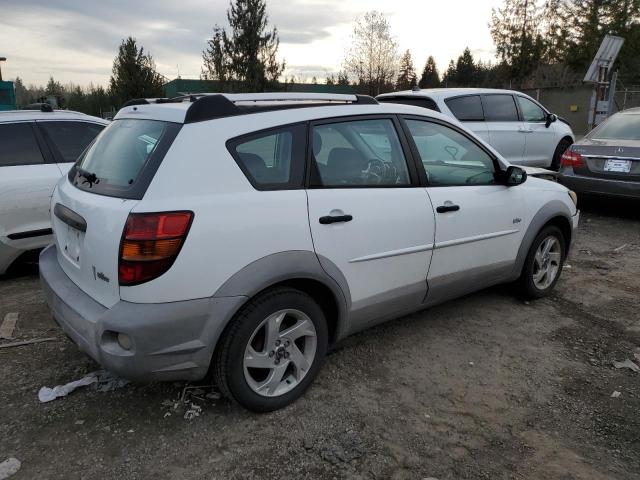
column 150, row 244
column 571, row 159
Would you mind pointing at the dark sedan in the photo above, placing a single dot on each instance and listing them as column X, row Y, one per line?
column 607, row 160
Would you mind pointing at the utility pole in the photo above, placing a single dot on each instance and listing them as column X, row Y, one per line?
column 2, row 59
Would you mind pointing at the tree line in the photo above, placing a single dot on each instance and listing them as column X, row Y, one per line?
column 538, row 43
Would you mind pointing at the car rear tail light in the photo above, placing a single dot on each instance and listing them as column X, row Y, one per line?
column 150, row 244
column 571, row 159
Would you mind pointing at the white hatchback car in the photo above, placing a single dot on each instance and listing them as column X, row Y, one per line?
column 240, row 236
column 37, row 147
column 516, row 125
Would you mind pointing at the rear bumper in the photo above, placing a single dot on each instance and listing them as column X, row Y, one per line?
column 600, row 186
column 169, row 341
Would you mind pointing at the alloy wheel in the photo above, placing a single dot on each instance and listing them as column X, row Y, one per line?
column 280, row 353
column 546, row 263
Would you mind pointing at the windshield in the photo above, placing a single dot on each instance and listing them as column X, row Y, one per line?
column 619, row 127
column 116, row 163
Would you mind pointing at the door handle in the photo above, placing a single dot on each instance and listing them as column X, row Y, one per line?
column 328, row 219
column 447, row 208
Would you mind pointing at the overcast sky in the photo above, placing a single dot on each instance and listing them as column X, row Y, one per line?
column 76, row 40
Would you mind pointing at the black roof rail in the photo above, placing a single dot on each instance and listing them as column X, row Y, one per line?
column 366, row 100
column 136, row 101
column 209, row 107
column 43, row 107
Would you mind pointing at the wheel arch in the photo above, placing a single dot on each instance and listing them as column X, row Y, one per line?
column 553, row 213
column 297, row 269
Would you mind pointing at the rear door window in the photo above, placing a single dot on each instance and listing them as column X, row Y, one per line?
column 18, row 145
column 424, row 102
column 70, row 138
column 500, row 108
column 124, row 158
column 359, row 153
column 467, row 108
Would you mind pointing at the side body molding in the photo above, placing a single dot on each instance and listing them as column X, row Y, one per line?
column 555, row 208
column 291, row 265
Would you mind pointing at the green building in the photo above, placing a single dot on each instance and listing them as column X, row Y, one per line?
column 181, row 86
column 7, row 96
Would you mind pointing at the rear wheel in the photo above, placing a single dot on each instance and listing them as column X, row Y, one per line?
column 272, row 351
column 557, row 155
column 543, row 264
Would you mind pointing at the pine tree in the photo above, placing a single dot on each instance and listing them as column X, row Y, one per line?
column 449, row 79
column 134, row 74
column 466, row 70
column 430, row 77
column 407, row 78
column 248, row 54
column 515, row 32
column 556, row 21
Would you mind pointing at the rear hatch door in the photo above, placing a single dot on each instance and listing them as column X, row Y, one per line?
column 91, row 204
column 87, row 229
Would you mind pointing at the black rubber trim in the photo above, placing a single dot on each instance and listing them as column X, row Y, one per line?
column 210, row 107
column 70, row 217
column 30, row 234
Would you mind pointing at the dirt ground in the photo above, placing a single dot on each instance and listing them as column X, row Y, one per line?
column 485, row 387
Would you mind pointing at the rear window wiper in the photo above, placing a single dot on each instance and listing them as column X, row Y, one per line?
column 89, row 177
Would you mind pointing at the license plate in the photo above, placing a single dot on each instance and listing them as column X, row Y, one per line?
column 73, row 244
column 613, row 165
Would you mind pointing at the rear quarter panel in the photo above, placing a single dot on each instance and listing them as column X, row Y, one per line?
column 234, row 224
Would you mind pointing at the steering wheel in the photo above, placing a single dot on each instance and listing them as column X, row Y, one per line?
column 375, row 171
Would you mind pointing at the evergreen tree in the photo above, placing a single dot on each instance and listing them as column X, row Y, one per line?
column 343, row 78
column 515, row 32
column 430, row 77
column 22, row 94
column 248, row 54
column 556, row 20
column 466, row 70
column 407, row 78
column 134, row 74
column 450, row 75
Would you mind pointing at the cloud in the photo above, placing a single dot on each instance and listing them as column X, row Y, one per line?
column 77, row 40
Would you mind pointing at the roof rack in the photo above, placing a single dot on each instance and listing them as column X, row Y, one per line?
column 209, row 106
column 43, row 107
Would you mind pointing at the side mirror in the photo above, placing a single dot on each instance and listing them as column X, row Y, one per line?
column 551, row 117
column 514, row 176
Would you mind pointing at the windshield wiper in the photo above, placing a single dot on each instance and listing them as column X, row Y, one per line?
column 89, row 177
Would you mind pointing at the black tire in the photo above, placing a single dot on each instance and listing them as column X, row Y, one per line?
column 228, row 367
column 557, row 155
column 526, row 282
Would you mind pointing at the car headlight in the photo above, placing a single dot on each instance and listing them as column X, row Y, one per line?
column 574, row 197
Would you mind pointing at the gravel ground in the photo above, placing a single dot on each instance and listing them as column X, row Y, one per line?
column 486, row 387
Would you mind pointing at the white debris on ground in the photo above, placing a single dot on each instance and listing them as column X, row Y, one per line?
column 186, row 404
column 104, row 382
column 615, row 394
column 8, row 325
column 9, row 467
column 627, row 364
column 193, row 412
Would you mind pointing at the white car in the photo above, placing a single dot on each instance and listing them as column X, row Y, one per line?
column 520, row 128
column 37, row 147
column 239, row 236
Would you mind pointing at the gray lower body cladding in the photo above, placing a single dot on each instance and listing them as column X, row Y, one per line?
column 170, row 341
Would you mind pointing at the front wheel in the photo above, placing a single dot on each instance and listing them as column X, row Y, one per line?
column 272, row 351
column 543, row 264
